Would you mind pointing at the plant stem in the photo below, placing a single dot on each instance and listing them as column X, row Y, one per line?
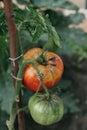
column 15, row 108
column 13, row 51
column 41, row 83
column 16, row 100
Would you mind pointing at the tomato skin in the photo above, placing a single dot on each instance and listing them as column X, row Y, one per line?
column 46, row 111
column 52, row 72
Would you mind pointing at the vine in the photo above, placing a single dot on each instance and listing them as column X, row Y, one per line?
column 15, row 108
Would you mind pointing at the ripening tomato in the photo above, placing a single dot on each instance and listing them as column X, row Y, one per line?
column 49, row 64
column 46, row 110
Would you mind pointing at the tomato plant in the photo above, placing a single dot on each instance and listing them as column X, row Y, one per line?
column 44, row 109
column 31, row 24
column 50, row 66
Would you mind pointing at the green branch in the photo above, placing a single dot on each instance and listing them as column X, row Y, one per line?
column 15, row 108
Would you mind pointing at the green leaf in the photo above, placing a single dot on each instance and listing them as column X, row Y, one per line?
column 37, row 33
column 55, row 37
column 48, row 3
column 77, row 18
column 4, row 54
column 70, row 6
column 50, row 45
column 52, row 4
column 6, row 92
column 3, row 45
column 64, row 84
column 73, row 41
column 3, row 117
column 3, row 26
column 71, row 103
column 38, row 24
column 53, row 42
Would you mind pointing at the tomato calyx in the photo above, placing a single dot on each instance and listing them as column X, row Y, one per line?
column 43, row 60
column 45, row 96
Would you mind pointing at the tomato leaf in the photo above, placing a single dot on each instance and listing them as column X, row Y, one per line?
column 52, row 4
column 3, row 117
column 38, row 24
column 53, row 42
column 71, row 103
column 37, row 33
column 76, row 18
column 4, row 54
column 6, row 92
column 50, row 45
column 55, row 37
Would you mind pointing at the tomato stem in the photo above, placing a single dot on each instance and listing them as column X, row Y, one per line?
column 45, row 88
column 22, row 109
column 16, row 100
column 41, row 83
column 15, row 108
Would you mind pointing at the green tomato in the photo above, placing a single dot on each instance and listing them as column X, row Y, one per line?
column 46, row 110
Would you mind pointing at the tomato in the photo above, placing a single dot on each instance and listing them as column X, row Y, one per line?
column 50, row 65
column 46, row 110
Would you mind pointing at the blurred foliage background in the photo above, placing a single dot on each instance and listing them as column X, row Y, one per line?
column 72, row 87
